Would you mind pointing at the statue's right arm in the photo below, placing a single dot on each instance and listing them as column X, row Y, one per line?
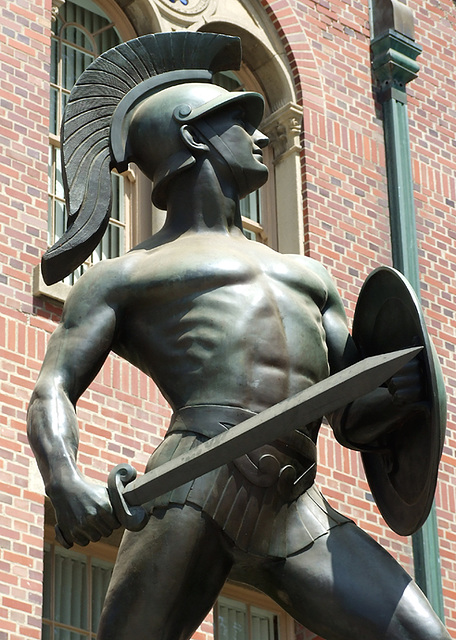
column 75, row 353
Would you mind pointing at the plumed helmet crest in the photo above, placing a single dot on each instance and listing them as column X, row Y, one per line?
column 85, row 133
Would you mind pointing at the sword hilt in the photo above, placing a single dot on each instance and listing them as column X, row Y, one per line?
column 132, row 518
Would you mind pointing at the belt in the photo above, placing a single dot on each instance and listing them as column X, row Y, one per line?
column 210, row 420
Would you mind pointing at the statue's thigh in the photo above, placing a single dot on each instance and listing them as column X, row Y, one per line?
column 347, row 586
column 166, row 578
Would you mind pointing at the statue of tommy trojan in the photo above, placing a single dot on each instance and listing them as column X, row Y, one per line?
column 226, row 328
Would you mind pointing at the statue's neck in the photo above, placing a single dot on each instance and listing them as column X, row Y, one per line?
column 200, row 200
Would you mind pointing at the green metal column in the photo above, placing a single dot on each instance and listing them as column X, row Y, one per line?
column 394, row 54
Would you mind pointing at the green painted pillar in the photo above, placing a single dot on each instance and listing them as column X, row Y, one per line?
column 394, row 54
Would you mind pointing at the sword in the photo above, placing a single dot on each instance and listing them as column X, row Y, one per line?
column 128, row 494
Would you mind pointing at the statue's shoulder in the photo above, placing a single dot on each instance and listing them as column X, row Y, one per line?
column 108, row 281
column 316, row 268
column 310, row 264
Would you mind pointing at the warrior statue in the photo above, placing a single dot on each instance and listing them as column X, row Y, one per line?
column 226, row 328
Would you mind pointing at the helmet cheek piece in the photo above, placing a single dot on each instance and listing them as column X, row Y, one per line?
column 165, row 172
column 253, row 107
column 226, row 153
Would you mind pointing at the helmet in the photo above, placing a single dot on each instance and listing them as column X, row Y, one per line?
column 164, row 76
column 146, row 129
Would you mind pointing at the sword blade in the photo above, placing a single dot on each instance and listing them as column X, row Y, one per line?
column 305, row 407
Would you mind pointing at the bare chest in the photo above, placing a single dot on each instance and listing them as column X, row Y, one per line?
column 245, row 319
column 215, row 269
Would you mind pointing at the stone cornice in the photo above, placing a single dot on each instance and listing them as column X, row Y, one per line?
column 283, row 128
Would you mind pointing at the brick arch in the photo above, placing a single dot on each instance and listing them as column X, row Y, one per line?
column 300, row 54
column 309, row 90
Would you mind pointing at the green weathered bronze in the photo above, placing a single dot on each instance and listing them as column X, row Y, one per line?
column 226, row 328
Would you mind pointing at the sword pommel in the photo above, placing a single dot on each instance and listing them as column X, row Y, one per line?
column 133, row 518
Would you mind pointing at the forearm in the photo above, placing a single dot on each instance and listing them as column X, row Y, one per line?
column 53, row 435
column 83, row 509
column 362, row 424
column 75, row 353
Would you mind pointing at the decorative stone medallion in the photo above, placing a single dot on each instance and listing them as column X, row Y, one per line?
column 185, row 7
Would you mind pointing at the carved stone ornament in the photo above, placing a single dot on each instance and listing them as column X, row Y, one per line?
column 283, row 128
column 56, row 4
column 185, row 7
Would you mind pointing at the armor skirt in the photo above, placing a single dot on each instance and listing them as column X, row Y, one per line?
column 265, row 502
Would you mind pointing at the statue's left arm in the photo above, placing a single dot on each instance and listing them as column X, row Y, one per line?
column 360, row 424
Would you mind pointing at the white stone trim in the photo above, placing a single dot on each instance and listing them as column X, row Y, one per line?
column 283, row 128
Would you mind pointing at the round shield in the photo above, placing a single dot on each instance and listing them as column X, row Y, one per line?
column 402, row 474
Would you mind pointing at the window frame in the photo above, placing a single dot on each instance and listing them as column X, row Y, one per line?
column 107, row 552
column 132, row 183
column 256, row 599
column 101, row 551
column 61, row 45
column 266, row 59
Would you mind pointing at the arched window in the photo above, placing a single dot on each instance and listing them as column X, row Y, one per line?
column 81, row 32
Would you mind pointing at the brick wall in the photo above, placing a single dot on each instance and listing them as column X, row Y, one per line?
column 432, row 127
column 346, row 208
column 24, row 72
column 119, row 392
column 346, row 222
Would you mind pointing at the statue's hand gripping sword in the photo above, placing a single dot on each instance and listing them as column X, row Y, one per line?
column 128, row 494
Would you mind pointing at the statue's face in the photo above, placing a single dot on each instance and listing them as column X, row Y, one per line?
column 242, row 147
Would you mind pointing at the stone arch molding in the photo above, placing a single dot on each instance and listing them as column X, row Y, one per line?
column 265, row 56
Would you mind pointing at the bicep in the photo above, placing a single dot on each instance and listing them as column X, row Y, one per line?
column 342, row 351
column 78, row 348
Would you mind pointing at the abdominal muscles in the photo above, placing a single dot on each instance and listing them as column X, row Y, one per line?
column 238, row 345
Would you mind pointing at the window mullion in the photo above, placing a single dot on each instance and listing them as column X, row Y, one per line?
column 75, row 46
column 79, row 47
column 103, row 29
column 89, row 597
column 58, row 110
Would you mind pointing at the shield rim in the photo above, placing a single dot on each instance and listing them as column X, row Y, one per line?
column 403, row 518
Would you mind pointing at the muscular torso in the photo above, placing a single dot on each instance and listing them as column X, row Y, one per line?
column 221, row 320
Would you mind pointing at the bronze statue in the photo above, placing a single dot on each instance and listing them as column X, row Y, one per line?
column 226, row 327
